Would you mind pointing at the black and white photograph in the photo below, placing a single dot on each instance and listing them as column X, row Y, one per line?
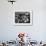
column 23, row 18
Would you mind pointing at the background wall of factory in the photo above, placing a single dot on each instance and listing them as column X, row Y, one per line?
column 8, row 30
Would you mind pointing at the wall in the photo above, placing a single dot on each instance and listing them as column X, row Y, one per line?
column 9, row 31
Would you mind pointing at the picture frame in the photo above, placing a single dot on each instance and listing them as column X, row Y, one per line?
column 23, row 18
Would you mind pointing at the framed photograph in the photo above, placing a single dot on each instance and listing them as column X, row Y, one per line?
column 23, row 18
